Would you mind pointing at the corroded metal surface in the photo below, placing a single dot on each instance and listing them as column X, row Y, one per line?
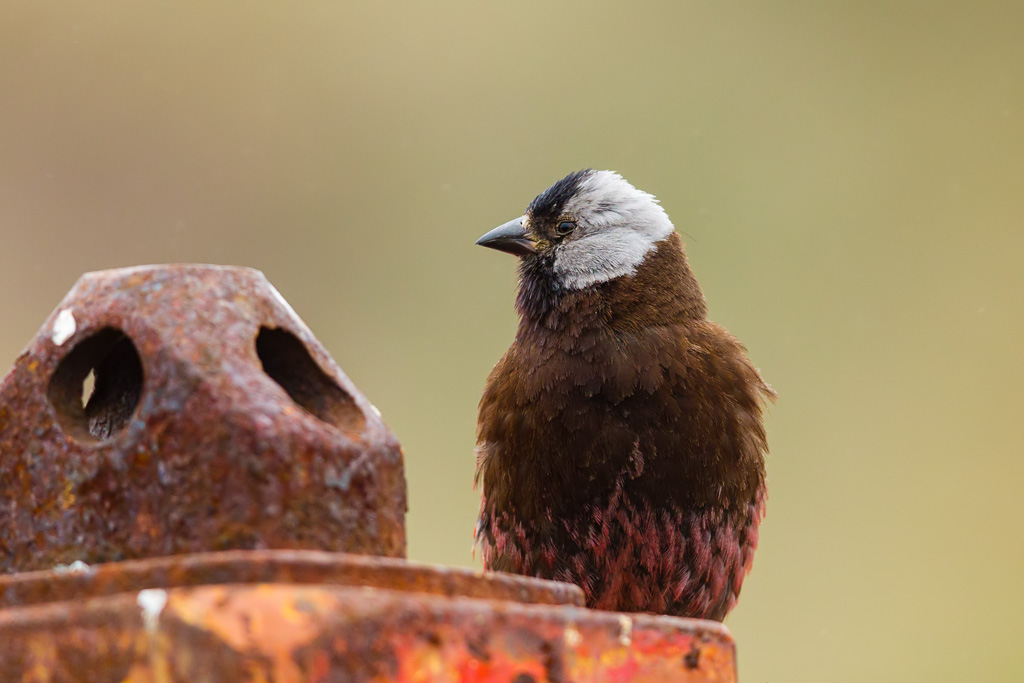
column 277, row 566
column 278, row 632
column 216, row 421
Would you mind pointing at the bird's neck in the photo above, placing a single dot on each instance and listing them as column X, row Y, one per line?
column 663, row 291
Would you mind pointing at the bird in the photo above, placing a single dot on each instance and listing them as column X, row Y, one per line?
column 620, row 439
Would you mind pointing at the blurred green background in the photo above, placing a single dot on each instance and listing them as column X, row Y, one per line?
column 849, row 178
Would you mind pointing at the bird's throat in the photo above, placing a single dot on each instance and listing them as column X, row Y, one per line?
column 663, row 291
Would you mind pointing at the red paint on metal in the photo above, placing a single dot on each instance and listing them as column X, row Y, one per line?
column 281, row 632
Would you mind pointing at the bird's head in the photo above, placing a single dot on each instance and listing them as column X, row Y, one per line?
column 589, row 227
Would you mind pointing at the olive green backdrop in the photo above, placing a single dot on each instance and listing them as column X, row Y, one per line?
column 848, row 176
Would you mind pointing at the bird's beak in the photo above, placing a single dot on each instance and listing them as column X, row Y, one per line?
column 510, row 237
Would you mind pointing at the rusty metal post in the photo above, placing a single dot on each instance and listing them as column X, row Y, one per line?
column 216, row 421
column 165, row 413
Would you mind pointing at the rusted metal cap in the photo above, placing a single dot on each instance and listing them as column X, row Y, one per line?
column 183, row 408
column 298, row 616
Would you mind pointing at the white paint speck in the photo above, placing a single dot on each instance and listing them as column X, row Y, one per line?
column 626, row 632
column 63, row 327
column 375, row 409
column 572, row 636
column 76, row 567
column 152, row 601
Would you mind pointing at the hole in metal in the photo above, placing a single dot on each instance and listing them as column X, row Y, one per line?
column 287, row 361
column 97, row 386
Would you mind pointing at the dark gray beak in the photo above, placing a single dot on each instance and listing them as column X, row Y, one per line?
column 510, row 237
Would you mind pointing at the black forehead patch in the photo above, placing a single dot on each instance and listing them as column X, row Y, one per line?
column 551, row 202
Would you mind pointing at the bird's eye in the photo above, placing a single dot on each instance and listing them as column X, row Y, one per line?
column 565, row 227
